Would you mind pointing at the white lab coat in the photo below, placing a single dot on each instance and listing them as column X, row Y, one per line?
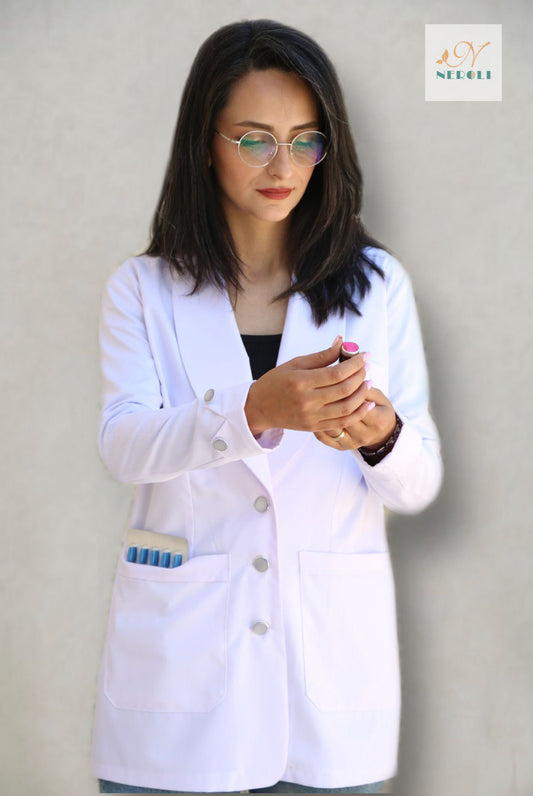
column 190, row 696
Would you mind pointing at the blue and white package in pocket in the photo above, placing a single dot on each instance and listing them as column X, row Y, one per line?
column 156, row 549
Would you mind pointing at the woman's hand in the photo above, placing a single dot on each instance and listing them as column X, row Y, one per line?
column 374, row 427
column 307, row 395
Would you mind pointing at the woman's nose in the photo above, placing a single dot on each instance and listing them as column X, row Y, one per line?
column 281, row 165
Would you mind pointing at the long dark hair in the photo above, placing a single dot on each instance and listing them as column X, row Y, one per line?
column 189, row 229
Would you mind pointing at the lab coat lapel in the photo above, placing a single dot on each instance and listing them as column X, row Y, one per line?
column 301, row 335
column 209, row 341
column 212, row 351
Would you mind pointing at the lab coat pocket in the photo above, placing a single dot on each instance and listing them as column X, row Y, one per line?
column 166, row 644
column 349, row 631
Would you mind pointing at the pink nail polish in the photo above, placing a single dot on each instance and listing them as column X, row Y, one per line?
column 336, row 340
column 366, row 356
column 370, row 405
column 348, row 350
column 369, row 384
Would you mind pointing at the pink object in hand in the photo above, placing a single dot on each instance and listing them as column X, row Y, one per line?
column 348, row 350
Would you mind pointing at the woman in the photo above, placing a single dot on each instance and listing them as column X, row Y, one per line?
column 270, row 655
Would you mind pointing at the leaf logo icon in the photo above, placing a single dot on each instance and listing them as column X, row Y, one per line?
column 445, row 55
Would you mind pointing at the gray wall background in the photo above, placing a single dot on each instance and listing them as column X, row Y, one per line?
column 89, row 101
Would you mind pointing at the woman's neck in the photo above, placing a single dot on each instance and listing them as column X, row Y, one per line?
column 262, row 250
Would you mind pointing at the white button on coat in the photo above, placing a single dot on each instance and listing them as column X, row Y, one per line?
column 220, row 444
column 261, row 564
column 208, row 396
column 260, row 627
column 261, row 504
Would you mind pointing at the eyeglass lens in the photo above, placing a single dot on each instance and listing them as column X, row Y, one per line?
column 258, row 148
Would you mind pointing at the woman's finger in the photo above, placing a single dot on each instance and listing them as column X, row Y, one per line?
column 335, row 424
column 325, row 376
column 356, row 392
column 318, row 359
column 332, row 442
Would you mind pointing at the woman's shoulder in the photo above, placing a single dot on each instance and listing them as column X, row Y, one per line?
column 392, row 284
column 145, row 272
column 392, row 268
column 140, row 267
column 139, row 282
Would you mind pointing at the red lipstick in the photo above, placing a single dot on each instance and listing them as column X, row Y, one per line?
column 276, row 193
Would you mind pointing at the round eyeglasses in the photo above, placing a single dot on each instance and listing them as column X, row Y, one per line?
column 258, row 148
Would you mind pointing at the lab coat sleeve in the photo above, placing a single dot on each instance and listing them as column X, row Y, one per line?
column 141, row 441
column 409, row 477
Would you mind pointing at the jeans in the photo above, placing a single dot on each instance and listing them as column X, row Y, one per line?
column 292, row 787
column 280, row 787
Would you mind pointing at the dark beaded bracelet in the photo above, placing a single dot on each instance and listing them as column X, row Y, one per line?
column 374, row 457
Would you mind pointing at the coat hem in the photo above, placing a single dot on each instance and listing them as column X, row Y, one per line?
column 338, row 778
column 239, row 781
column 234, row 780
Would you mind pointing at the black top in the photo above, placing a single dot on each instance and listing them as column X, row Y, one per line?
column 262, row 350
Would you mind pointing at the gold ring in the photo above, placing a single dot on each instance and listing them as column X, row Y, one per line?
column 338, row 436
